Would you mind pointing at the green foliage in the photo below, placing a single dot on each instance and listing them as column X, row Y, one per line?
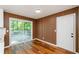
column 27, row 26
column 18, row 25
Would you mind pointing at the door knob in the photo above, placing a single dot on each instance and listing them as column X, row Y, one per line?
column 72, row 35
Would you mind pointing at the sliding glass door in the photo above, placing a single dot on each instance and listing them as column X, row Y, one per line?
column 20, row 31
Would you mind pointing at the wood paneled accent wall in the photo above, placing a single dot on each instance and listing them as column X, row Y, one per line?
column 46, row 26
column 6, row 24
column 77, row 31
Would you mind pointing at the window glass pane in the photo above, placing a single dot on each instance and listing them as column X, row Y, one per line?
column 20, row 31
column 20, row 25
column 27, row 26
column 14, row 25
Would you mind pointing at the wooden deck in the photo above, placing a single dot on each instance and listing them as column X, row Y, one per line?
column 35, row 47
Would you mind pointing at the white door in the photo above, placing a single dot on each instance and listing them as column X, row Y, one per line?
column 66, row 29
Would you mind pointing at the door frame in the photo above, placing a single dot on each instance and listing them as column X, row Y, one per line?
column 74, row 44
column 23, row 20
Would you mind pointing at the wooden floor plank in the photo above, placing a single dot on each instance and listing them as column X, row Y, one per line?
column 35, row 47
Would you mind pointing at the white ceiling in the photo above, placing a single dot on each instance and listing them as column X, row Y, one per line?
column 29, row 10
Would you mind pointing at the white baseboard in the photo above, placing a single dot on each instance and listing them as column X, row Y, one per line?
column 45, row 42
column 51, row 44
column 7, row 46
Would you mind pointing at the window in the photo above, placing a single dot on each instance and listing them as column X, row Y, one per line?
column 20, row 30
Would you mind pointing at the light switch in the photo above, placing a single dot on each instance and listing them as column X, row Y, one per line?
column 7, row 30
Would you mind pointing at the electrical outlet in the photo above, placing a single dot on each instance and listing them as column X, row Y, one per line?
column 55, row 30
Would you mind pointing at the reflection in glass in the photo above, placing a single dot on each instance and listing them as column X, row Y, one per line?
column 20, row 31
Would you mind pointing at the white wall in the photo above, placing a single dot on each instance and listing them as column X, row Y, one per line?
column 1, row 32
column 1, row 18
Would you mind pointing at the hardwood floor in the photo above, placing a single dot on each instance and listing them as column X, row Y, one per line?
column 35, row 47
